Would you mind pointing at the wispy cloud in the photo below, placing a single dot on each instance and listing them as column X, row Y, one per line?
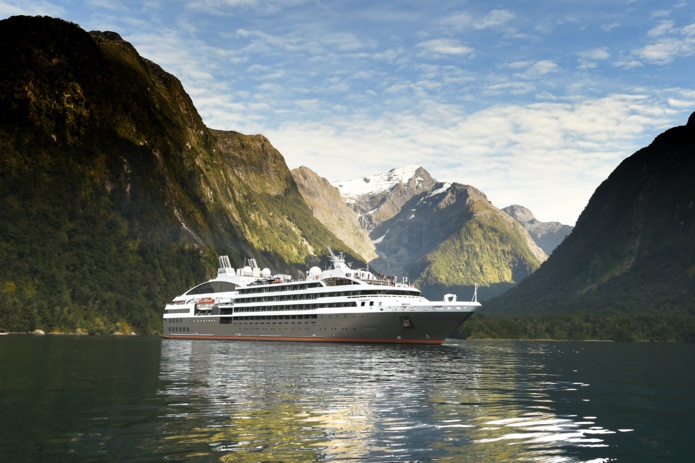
column 667, row 42
column 446, row 47
column 492, row 19
column 589, row 59
column 231, row 7
column 533, row 70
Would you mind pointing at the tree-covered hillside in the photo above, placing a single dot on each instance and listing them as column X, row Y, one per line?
column 114, row 196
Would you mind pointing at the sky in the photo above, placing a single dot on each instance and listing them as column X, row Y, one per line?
column 532, row 102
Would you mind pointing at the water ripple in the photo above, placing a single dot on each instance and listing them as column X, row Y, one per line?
column 297, row 402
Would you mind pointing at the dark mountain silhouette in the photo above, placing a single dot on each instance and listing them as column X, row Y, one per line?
column 633, row 248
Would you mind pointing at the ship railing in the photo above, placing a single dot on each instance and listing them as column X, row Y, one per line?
column 386, row 282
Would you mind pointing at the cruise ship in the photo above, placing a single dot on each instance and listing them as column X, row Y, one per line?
column 338, row 304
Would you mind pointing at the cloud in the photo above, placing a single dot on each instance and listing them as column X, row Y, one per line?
column 588, row 59
column 533, row 70
column 262, row 42
column 627, row 62
column 668, row 43
column 231, row 7
column 663, row 28
column 493, row 19
column 511, row 88
column 344, row 42
column 682, row 103
column 609, row 27
column 446, row 47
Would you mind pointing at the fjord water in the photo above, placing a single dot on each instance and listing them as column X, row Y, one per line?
column 65, row 398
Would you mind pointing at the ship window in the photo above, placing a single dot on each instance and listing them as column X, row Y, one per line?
column 201, row 289
column 223, row 286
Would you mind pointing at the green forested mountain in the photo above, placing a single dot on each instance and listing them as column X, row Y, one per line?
column 450, row 238
column 114, row 196
column 632, row 250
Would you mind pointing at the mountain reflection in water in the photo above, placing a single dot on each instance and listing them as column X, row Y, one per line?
column 79, row 398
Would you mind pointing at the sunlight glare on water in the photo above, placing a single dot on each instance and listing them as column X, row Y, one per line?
column 304, row 402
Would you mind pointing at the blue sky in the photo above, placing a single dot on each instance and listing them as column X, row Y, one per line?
column 532, row 102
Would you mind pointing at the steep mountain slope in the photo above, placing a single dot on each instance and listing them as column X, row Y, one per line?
column 633, row 248
column 330, row 209
column 114, row 196
column 450, row 238
column 547, row 235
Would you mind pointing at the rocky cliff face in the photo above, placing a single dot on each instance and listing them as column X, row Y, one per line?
column 547, row 235
column 329, row 207
column 633, row 247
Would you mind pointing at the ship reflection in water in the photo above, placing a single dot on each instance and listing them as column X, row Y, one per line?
column 306, row 402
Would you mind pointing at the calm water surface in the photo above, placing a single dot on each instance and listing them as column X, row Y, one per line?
column 66, row 398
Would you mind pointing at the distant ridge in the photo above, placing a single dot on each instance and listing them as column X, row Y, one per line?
column 547, row 235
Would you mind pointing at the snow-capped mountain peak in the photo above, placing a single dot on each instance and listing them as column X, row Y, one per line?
column 374, row 184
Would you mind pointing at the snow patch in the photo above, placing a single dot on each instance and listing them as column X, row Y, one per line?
column 381, row 238
column 440, row 190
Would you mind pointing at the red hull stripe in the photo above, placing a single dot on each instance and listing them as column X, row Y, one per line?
column 312, row 339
